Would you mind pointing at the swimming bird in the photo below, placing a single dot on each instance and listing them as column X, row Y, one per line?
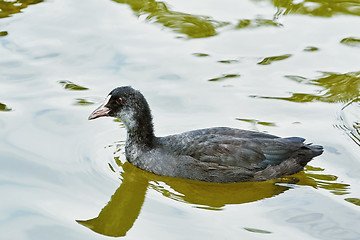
column 218, row 154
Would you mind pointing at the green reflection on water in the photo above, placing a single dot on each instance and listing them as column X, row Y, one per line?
column 324, row 181
column 321, row 8
column 193, row 26
column 311, row 49
column 83, row 102
column 68, row 85
column 355, row 201
column 255, row 230
column 269, row 60
column 121, row 212
column 119, row 215
column 228, row 61
column 8, row 8
column 4, row 108
column 336, row 87
column 351, row 41
column 224, row 76
column 200, row 54
column 258, row 22
column 255, row 122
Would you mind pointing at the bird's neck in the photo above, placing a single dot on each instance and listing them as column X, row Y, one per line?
column 140, row 130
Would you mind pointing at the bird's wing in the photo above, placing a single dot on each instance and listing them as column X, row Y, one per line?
column 227, row 150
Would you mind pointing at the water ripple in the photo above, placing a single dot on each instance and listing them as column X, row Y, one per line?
column 349, row 118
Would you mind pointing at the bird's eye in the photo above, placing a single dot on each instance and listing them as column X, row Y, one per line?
column 119, row 100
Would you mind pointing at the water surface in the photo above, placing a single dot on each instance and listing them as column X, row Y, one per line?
column 289, row 68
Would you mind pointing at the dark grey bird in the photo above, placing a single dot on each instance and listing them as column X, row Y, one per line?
column 218, row 154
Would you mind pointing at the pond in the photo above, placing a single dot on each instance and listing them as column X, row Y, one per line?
column 289, row 68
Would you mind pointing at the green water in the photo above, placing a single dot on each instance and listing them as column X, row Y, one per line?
column 289, row 68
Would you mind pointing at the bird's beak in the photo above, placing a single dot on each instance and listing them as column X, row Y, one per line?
column 101, row 111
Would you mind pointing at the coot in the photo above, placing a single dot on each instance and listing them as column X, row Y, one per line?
column 218, row 154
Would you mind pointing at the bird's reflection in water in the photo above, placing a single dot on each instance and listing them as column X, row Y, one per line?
column 119, row 215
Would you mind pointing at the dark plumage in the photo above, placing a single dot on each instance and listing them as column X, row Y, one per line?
column 217, row 154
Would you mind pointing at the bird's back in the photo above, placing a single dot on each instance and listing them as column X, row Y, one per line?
column 233, row 155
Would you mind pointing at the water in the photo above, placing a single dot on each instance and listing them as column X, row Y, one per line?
column 287, row 68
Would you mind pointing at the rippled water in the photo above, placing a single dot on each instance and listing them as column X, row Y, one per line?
column 290, row 68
